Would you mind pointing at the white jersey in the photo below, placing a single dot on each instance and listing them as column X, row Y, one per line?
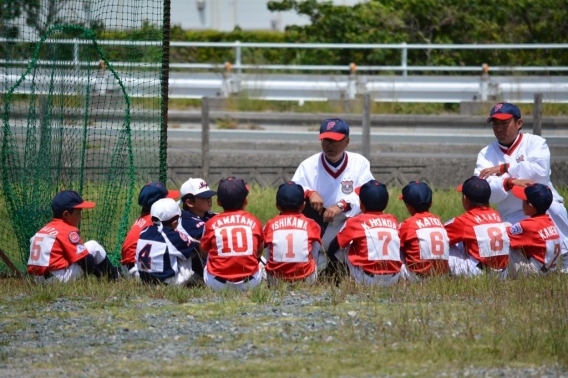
column 528, row 158
column 335, row 184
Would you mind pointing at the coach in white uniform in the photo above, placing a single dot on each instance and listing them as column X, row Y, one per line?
column 330, row 177
column 518, row 159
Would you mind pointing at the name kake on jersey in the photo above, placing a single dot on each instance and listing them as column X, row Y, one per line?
column 233, row 219
column 379, row 222
column 548, row 232
column 290, row 222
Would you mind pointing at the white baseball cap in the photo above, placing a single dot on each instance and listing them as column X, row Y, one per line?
column 198, row 187
column 165, row 209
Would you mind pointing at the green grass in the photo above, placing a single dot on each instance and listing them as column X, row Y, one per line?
column 441, row 325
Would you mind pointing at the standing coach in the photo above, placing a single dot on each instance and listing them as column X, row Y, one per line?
column 518, row 159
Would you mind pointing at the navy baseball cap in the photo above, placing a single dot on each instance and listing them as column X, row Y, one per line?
column 334, row 128
column 154, row 191
column 373, row 195
column 416, row 193
column 232, row 190
column 290, row 194
column 476, row 189
column 504, row 111
column 67, row 200
column 538, row 195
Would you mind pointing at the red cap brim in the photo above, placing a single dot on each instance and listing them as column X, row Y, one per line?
column 500, row 117
column 85, row 205
column 459, row 188
column 358, row 190
column 173, row 194
column 519, row 192
column 400, row 197
column 333, row 136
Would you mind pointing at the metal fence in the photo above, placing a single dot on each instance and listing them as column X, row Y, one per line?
column 229, row 78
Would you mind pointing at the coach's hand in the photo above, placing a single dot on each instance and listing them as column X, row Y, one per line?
column 330, row 213
column 316, row 201
column 523, row 182
column 486, row 172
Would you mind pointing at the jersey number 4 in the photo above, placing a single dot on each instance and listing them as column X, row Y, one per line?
column 144, row 257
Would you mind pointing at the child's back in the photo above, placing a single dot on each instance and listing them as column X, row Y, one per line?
column 423, row 238
column 292, row 240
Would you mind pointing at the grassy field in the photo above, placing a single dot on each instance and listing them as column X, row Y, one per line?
column 443, row 326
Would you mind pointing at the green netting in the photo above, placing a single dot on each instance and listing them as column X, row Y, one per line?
column 82, row 102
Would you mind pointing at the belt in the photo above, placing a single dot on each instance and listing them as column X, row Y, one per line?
column 244, row 280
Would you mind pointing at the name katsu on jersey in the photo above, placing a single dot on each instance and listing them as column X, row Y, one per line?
column 379, row 222
column 290, row 222
column 222, row 220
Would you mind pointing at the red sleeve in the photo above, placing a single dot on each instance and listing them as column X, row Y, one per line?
column 345, row 235
column 455, row 230
column 72, row 246
column 517, row 235
column 206, row 239
column 403, row 233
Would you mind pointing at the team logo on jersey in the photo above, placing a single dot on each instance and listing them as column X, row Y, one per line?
column 516, row 229
column 80, row 248
column 347, row 186
column 520, row 158
column 74, row 237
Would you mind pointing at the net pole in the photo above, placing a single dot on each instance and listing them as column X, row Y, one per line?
column 165, row 89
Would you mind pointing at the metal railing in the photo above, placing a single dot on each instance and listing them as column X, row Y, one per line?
column 238, row 46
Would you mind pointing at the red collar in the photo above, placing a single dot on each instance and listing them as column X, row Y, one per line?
column 330, row 169
column 509, row 151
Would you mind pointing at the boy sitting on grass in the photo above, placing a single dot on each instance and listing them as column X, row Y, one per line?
column 163, row 255
column 424, row 242
column 292, row 240
column 478, row 238
column 373, row 256
column 196, row 201
column 57, row 252
column 535, row 241
column 149, row 194
column 232, row 240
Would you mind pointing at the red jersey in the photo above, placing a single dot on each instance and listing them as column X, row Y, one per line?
column 128, row 251
column 56, row 246
column 290, row 238
column 483, row 234
column 538, row 238
column 425, row 244
column 232, row 240
column 375, row 242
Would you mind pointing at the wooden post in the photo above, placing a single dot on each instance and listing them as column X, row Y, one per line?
column 537, row 114
column 366, row 132
column 205, row 156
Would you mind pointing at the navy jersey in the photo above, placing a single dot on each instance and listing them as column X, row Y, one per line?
column 158, row 250
column 192, row 224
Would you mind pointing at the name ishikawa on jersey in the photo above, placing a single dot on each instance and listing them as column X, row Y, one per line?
column 425, row 244
column 375, row 244
column 158, row 250
column 537, row 237
column 232, row 240
column 128, row 251
column 290, row 240
column 484, row 236
column 56, row 246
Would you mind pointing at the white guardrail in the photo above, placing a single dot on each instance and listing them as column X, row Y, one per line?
column 232, row 78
